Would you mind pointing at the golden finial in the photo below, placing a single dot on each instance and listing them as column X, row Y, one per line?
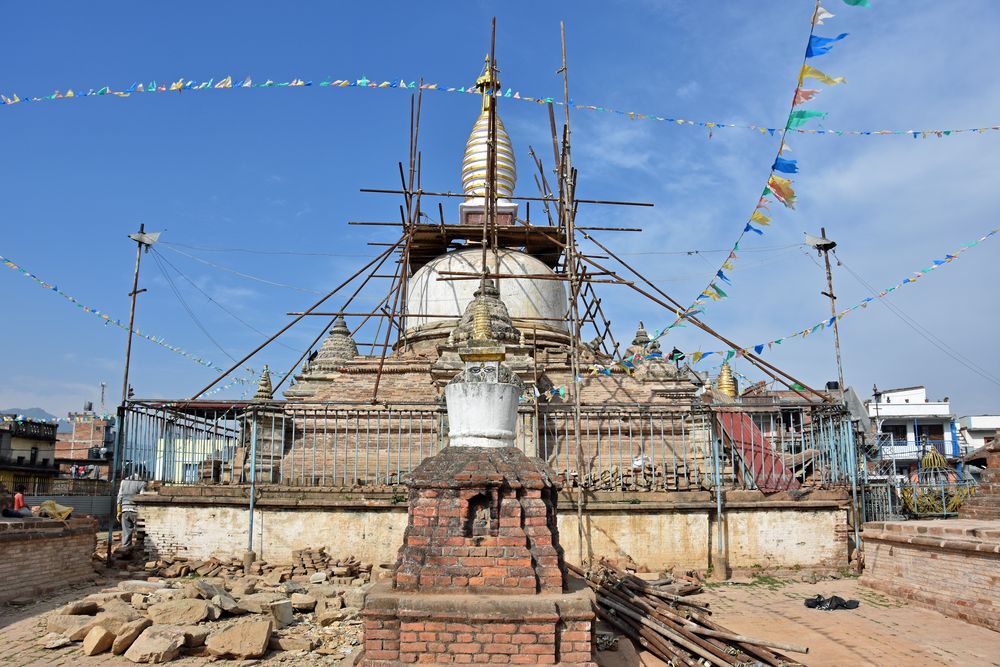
column 481, row 321
column 726, row 382
column 487, row 82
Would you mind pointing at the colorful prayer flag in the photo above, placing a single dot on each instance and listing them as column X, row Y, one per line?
column 819, row 46
column 809, row 72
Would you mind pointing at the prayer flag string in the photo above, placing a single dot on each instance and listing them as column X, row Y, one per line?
column 108, row 320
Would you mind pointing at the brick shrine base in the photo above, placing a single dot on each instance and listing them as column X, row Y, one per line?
column 545, row 629
column 949, row 565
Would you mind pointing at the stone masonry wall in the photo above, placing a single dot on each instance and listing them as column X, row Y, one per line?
column 952, row 566
column 652, row 529
column 38, row 556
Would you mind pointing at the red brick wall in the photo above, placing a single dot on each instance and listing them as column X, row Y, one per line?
column 389, row 641
column 951, row 566
column 41, row 556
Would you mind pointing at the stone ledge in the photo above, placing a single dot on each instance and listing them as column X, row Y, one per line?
column 632, row 502
column 963, row 535
column 987, row 616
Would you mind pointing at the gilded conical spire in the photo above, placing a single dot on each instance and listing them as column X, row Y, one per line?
column 726, row 382
column 475, row 164
column 264, row 388
column 486, row 319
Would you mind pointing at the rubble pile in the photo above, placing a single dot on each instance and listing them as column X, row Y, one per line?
column 211, row 608
column 676, row 630
column 311, row 561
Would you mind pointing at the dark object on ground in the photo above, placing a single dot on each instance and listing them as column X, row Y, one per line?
column 831, row 603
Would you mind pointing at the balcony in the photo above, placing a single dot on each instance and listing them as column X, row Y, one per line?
column 26, row 464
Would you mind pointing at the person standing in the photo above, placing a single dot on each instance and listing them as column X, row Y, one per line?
column 127, row 510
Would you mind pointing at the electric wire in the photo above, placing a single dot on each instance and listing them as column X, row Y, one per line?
column 243, row 275
column 219, row 305
column 254, row 251
column 194, row 318
column 922, row 331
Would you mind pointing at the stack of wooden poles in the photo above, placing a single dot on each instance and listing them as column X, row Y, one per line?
column 675, row 630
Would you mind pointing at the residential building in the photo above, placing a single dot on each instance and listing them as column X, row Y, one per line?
column 86, row 451
column 908, row 423
column 27, row 453
column 975, row 431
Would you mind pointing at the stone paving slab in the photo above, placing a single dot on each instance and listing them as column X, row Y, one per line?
column 882, row 631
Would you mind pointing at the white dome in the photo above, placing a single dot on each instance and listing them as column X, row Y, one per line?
column 524, row 297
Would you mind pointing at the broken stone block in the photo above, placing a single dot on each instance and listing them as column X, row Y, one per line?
column 281, row 612
column 101, row 598
column 331, row 616
column 61, row 622
column 243, row 587
column 98, row 640
column 166, row 594
column 179, row 612
column 228, row 604
column 290, row 587
column 275, row 577
column 214, row 613
column 355, row 597
column 128, row 633
column 329, row 604
column 301, row 602
column 256, row 603
column 156, row 644
column 194, row 636
column 292, row 644
column 317, row 578
column 140, row 586
column 207, row 589
column 80, row 608
column 246, row 639
column 54, row 640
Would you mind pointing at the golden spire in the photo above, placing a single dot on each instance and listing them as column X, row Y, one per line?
column 726, row 382
column 487, row 82
column 475, row 163
column 480, row 320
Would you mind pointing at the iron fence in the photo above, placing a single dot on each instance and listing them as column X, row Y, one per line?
column 620, row 447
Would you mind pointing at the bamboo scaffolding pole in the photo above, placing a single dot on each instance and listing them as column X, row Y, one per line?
column 671, row 627
column 288, row 326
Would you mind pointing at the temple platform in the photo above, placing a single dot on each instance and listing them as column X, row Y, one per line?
column 443, row 628
column 952, row 566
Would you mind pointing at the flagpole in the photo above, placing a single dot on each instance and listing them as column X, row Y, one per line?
column 825, row 248
column 142, row 240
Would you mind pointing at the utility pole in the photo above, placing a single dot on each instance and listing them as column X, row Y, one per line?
column 823, row 246
column 143, row 241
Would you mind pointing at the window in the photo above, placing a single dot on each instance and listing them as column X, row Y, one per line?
column 897, row 431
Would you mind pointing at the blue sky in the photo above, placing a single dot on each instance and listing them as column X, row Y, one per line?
column 278, row 170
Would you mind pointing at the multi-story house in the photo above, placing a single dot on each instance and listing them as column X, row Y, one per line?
column 27, row 453
column 908, row 424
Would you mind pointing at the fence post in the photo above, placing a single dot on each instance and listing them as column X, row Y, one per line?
column 720, row 557
column 253, row 475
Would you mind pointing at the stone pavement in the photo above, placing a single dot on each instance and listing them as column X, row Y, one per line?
column 882, row 631
column 21, row 627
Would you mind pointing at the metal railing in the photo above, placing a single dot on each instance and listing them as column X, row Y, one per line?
column 360, row 445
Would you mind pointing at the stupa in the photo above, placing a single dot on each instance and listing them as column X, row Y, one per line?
column 481, row 571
